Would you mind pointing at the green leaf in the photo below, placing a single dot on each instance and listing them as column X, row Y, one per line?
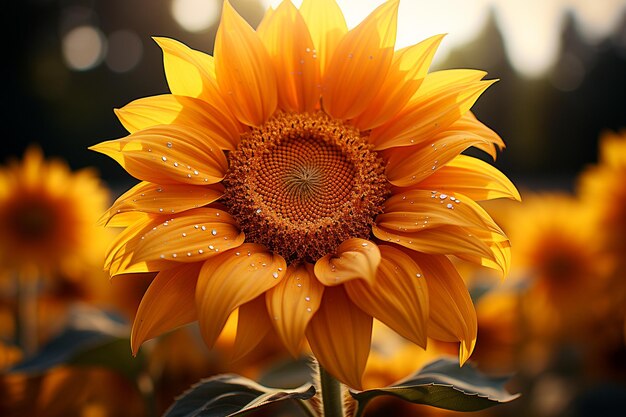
column 91, row 337
column 444, row 384
column 290, row 373
column 231, row 395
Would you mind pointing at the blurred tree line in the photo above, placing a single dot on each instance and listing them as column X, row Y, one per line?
column 551, row 130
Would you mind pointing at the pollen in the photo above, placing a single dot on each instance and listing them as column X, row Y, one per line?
column 303, row 183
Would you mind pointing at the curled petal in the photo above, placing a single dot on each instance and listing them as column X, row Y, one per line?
column 147, row 112
column 398, row 297
column 452, row 313
column 244, row 69
column 233, row 278
column 340, row 335
column 294, row 59
column 354, row 259
column 360, row 63
column 147, row 197
column 168, row 154
column 292, row 303
column 253, row 324
column 161, row 308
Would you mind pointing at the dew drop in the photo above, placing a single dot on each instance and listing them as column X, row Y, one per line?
column 275, row 274
column 169, row 144
column 164, row 158
column 214, row 232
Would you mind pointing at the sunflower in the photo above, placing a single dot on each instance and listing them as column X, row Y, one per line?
column 607, row 179
column 311, row 181
column 559, row 256
column 48, row 217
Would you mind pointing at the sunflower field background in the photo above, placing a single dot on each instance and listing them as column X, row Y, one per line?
column 555, row 326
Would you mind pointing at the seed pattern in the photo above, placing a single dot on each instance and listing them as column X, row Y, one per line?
column 303, row 183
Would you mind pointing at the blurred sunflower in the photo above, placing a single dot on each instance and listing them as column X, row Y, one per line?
column 48, row 217
column 602, row 188
column 313, row 181
column 558, row 252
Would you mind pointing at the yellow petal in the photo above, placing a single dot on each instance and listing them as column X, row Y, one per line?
column 474, row 178
column 125, row 219
column 452, row 313
column 191, row 73
column 146, row 112
column 253, row 324
column 119, row 257
column 294, row 59
column 354, row 259
column 327, row 27
column 244, row 69
column 469, row 123
column 398, row 297
column 231, row 279
column 405, row 75
column 168, row 154
column 427, row 158
column 292, row 303
column 360, row 63
column 340, row 335
column 443, row 97
column 437, row 223
column 163, row 199
column 192, row 236
column 167, row 304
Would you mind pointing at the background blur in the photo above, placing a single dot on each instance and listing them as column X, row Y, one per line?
column 562, row 71
column 561, row 65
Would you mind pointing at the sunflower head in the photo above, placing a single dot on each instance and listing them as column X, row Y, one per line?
column 311, row 182
column 49, row 215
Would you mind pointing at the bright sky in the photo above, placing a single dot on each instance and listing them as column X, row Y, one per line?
column 531, row 28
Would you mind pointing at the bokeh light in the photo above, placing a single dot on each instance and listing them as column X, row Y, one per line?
column 124, row 51
column 531, row 28
column 83, row 48
column 196, row 15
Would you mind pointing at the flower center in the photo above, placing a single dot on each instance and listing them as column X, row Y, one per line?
column 32, row 220
column 303, row 183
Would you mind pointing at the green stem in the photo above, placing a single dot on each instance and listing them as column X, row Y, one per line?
column 332, row 399
column 306, row 408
